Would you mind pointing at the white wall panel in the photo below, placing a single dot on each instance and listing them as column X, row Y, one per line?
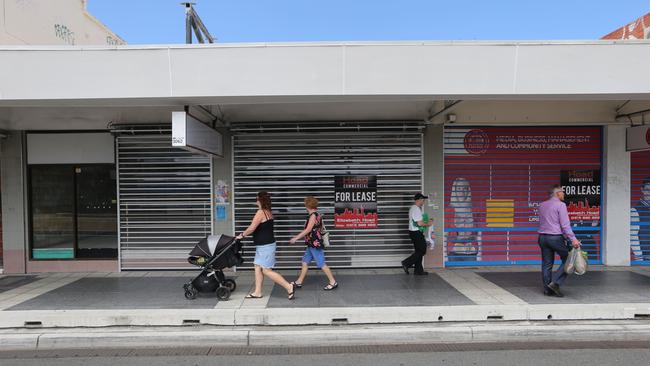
column 70, row 148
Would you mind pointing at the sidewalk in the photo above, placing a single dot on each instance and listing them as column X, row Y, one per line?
column 363, row 297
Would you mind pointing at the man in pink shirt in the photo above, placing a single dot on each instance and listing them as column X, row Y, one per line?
column 554, row 230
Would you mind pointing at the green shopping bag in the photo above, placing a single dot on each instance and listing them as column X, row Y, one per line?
column 425, row 218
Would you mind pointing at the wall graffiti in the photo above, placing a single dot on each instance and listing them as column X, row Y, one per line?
column 63, row 32
column 112, row 41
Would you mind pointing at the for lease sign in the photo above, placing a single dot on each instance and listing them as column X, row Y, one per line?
column 355, row 201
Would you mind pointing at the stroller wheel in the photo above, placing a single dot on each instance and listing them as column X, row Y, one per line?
column 223, row 293
column 190, row 293
column 231, row 284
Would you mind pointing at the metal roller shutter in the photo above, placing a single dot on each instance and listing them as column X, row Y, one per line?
column 164, row 199
column 495, row 178
column 640, row 208
column 291, row 161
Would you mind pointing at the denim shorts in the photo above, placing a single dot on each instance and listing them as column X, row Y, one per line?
column 316, row 254
column 265, row 255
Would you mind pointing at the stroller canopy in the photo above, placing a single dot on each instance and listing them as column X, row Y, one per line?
column 211, row 245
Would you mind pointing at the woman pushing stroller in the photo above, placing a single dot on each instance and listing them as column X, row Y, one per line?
column 264, row 239
column 315, row 247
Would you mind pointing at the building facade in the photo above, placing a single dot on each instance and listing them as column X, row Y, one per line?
column 46, row 22
column 90, row 180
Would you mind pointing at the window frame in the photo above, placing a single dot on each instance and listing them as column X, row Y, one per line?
column 75, row 225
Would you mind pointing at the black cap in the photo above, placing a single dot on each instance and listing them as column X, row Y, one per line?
column 419, row 196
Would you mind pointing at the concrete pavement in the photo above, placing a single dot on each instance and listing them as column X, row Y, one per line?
column 364, row 297
column 324, row 336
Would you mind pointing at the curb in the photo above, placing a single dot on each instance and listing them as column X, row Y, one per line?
column 319, row 316
column 440, row 333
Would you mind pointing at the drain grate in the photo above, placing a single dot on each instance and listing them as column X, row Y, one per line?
column 495, row 317
column 33, row 324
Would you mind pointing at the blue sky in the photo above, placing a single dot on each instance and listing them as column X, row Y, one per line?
column 163, row 21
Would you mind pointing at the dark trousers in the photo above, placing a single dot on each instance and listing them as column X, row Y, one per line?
column 551, row 245
column 420, row 246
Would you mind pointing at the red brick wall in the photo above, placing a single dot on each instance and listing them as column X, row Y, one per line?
column 638, row 29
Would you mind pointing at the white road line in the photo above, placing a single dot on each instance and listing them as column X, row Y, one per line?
column 236, row 298
column 244, row 287
column 478, row 289
column 267, row 288
column 39, row 287
column 498, row 292
column 469, row 290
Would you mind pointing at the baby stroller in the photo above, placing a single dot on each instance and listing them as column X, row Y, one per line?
column 214, row 253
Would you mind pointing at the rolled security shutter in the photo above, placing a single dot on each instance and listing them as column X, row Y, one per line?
column 495, row 179
column 164, row 199
column 291, row 161
column 640, row 208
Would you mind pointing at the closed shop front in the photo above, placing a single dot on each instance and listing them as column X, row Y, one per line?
column 292, row 161
column 495, row 179
column 640, row 208
column 72, row 197
column 164, row 198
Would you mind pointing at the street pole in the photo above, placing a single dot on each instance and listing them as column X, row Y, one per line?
column 194, row 23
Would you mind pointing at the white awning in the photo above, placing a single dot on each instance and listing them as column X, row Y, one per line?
column 331, row 72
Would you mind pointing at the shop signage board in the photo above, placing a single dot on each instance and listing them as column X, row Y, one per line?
column 638, row 138
column 496, row 178
column 355, row 204
column 582, row 194
column 193, row 135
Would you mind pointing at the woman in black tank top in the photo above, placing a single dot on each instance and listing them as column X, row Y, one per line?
column 263, row 233
column 262, row 229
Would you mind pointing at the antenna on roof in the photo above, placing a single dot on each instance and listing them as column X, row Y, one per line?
column 194, row 22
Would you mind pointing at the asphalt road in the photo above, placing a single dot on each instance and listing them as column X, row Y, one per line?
column 517, row 357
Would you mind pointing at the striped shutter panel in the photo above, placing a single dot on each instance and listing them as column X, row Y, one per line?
column 164, row 199
column 291, row 161
column 498, row 223
column 640, row 209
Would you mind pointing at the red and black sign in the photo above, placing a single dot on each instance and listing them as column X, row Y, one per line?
column 355, row 203
column 582, row 194
column 496, row 178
